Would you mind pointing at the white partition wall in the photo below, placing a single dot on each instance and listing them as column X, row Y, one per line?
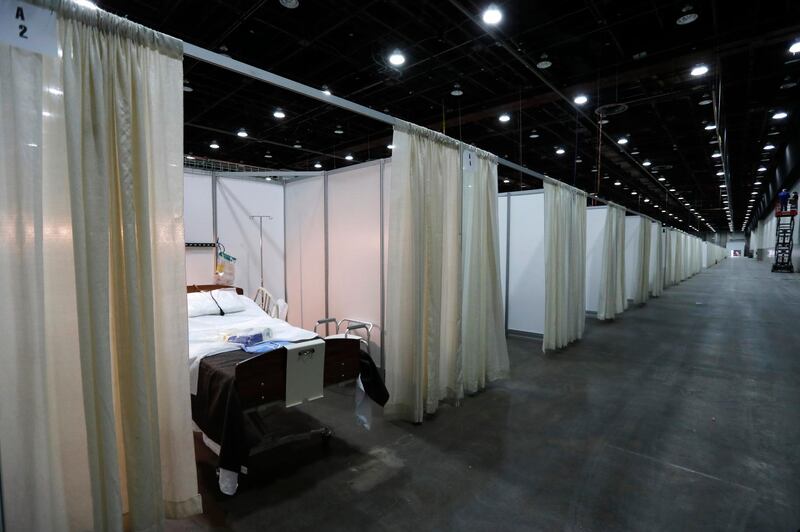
column 198, row 226
column 305, row 251
column 526, row 298
column 595, row 224
column 237, row 201
column 354, row 244
column 502, row 224
column 632, row 224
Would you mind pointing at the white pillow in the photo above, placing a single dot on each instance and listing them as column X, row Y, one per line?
column 228, row 300
column 201, row 304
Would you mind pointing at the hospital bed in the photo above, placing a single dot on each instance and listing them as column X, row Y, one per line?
column 230, row 386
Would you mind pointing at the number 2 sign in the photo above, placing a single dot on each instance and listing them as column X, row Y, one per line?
column 28, row 27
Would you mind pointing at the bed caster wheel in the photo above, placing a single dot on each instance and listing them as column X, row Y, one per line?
column 327, row 436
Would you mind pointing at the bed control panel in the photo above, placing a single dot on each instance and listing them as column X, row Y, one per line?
column 305, row 369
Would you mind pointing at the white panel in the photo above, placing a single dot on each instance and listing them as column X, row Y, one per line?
column 237, row 201
column 502, row 219
column 595, row 225
column 704, row 251
column 198, row 226
column 305, row 251
column 354, row 240
column 526, row 261
column 632, row 224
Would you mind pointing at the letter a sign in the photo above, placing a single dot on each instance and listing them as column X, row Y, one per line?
column 28, row 27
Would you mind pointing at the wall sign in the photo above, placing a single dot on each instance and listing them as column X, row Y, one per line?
column 28, row 27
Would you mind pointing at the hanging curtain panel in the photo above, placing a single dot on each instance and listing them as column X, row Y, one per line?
column 657, row 260
column 612, row 300
column 94, row 395
column 641, row 292
column 565, row 265
column 483, row 340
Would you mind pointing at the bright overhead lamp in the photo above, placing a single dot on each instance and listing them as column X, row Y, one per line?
column 662, row 179
column 390, row 146
column 795, row 47
column 317, row 165
column 622, row 140
column 189, row 157
column 397, row 58
column 754, row 193
column 326, row 91
column 279, row 114
column 560, row 151
column 456, row 90
column 710, row 127
column 214, row 145
column 716, row 155
column 757, row 183
column 720, row 173
column 646, row 163
column 338, row 130
column 297, row 145
column 504, row 117
column 533, row 135
column 268, row 155
column 580, row 99
column 769, row 146
column 506, row 181
column 241, row 133
column 492, row 15
column 348, row 157
column 634, row 193
column 544, row 62
column 699, row 70
column 752, row 200
column 780, row 115
column 762, row 168
column 647, row 200
column 617, row 183
column 672, row 190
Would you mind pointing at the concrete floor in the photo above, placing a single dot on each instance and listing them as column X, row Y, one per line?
column 681, row 415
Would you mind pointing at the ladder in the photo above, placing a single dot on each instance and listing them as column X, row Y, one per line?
column 784, row 238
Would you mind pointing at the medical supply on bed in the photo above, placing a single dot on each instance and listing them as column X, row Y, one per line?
column 249, row 337
column 265, row 347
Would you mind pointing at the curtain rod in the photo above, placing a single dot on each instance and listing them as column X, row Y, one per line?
column 228, row 63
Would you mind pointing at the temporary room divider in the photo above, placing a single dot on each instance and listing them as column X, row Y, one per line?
column 432, row 270
column 640, row 289
column 565, row 265
column 657, row 263
column 595, row 245
column 613, row 300
column 94, row 391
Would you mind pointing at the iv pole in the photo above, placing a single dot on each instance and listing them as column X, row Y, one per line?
column 261, row 241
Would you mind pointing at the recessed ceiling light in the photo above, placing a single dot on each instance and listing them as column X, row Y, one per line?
column 492, row 15
column 699, row 70
column 214, row 145
column 317, row 165
column 397, row 58
column 646, row 163
column 456, row 90
column 780, row 115
column 348, row 157
column 622, row 140
column 580, row 99
column 504, row 117
column 544, row 63
column 617, row 183
column 769, row 146
column 710, row 127
column 279, row 114
column 241, row 133
column 390, row 146
column 560, row 151
column 795, row 47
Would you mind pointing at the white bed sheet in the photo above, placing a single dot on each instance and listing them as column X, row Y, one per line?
column 206, row 333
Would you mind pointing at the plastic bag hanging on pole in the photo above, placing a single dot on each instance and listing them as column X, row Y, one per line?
column 226, row 268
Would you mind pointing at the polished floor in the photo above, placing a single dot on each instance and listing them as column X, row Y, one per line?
column 682, row 415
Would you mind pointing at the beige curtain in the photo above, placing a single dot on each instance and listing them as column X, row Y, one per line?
column 642, row 291
column 612, row 298
column 565, row 265
column 92, row 222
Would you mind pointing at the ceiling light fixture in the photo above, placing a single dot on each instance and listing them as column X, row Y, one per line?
column 456, row 90
column 326, row 91
column 646, row 163
column 699, row 70
column 762, row 168
column 723, row 185
column 348, row 157
column 795, row 47
column 716, row 155
column 317, row 165
column 533, row 135
column 268, row 155
column 560, row 151
column 214, row 145
column 662, row 179
column 769, row 146
column 780, row 115
column 710, row 127
column 397, row 58
column 504, row 117
column 617, row 183
column 279, row 114
column 687, row 17
column 506, row 181
column 297, row 145
column 622, row 140
column 390, row 146
column 338, row 130
column 241, row 133
column 580, row 99
column 492, row 15
column 544, row 63
column 647, row 200
column 757, row 183
column 634, row 193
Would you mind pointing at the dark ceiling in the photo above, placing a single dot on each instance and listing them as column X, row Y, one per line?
column 630, row 52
